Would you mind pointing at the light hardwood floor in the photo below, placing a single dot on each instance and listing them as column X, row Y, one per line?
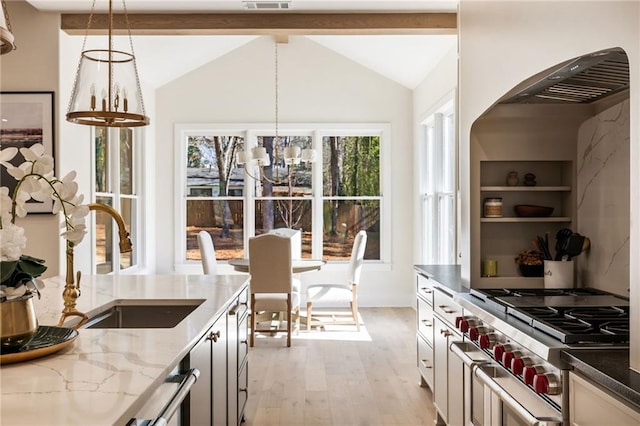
column 340, row 377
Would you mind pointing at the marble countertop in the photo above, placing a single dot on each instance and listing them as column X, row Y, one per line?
column 105, row 376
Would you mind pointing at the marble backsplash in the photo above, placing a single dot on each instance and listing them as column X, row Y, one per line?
column 603, row 215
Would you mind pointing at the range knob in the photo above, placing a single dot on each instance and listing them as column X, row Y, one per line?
column 518, row 364
column 530, row 371
column 546, row 383
column 499, row 350
column 487, row 341
column 466, row 324
column 509, row 356
column 459, row 319
column 476, row 332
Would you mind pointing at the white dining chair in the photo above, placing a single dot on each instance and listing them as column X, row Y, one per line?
column 340, row 293
column 207, row 253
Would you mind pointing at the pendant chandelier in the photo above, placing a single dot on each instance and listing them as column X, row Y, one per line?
column 6, row 36
column 291, row 155
column 106, row 90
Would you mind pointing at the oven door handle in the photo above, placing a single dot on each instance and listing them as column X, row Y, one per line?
column 458, row 348
column 514, row 405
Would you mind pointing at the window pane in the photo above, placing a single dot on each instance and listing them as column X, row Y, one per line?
column 126, row 161
column 127, row 210
column 104, row 238
column 342, row 221
column 351, row 165
column 102, row 163
column 211, row 166
column 223, row 219
column 289, row 179
column 277, row 213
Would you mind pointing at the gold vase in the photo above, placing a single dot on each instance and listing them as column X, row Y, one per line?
column 18, row 323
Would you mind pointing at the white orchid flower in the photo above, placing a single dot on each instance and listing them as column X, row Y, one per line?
column 7, row 155
column 17, row 172
column 13, row 292
column 43, row 166
column 75, row 235
column 32, row 153
column 5, row 203
column 21, row 198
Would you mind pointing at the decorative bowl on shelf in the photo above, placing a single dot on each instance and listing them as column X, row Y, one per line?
column 527, row 210
column 532, row 270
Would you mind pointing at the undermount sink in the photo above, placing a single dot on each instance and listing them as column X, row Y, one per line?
column 127, row 313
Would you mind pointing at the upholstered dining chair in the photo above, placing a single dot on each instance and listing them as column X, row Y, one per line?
column 207, row 253
column 346, row 292
column 272, row 282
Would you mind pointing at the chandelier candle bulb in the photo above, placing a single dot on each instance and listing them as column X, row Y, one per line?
column 125, row 101
column 104, row 99
column 93, row 97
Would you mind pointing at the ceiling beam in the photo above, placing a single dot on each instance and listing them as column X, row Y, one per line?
column 264, row 23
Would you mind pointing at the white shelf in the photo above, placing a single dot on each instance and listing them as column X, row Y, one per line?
column 553, row 219
column 525, row 188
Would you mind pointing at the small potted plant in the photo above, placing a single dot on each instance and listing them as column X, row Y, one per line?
column 531, row 263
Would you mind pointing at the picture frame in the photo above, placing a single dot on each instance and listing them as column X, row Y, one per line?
column 27, row 118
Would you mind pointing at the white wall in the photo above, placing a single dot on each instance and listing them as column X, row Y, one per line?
column 504, row 42
column 33, row 67
column 316, row 85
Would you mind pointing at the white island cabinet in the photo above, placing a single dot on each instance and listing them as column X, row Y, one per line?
column 110, row 376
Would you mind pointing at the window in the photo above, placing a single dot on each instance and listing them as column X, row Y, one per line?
column 116, row 184
column 214, row 195
column 351, row 194
column 329, row 201
column 439, row 187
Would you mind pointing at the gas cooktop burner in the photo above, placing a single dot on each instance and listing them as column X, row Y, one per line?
column 569, row 315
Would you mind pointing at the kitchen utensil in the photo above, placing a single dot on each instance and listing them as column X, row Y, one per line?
column 573, row 245
column 544, row 249
column 561, row 237
column 587, row 244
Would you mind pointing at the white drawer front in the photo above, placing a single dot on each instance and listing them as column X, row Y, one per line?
column 425, row 361
column 446, row 308
column 425, row 320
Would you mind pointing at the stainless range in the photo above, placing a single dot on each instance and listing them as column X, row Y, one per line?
column 512, row 344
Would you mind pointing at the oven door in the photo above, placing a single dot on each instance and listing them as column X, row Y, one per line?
column 493, row 397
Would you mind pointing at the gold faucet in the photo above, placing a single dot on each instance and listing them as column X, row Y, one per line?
column 72, row 290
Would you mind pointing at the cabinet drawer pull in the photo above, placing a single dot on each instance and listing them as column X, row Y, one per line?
column 425, row 365
column 427, row 323
column 214, row 336
column 445, row 332
column 426, row 290
column 446, row 310
column 186, row 381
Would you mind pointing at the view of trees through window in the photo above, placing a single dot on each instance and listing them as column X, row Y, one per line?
column 114, row 186
column 282, row 195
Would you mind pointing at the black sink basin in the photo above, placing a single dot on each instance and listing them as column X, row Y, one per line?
column 143, row 314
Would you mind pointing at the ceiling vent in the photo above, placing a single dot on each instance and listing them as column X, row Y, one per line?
column 578, row 81
column 267, row 5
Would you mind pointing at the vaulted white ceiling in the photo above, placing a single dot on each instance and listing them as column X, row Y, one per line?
column 406, row 59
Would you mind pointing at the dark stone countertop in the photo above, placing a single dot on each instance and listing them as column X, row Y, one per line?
column 609, row 368
column 447, row 275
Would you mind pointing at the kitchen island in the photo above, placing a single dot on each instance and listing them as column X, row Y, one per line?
column 107, row 375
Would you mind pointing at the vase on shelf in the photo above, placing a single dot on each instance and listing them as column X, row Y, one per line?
column 18, row 323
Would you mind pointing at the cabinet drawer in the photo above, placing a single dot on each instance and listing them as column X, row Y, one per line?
column 425, row 320
column 243, row 343
column 243, row 391
column 425, row 361
column 590, row 405
column 424, row 289
column 445, row 307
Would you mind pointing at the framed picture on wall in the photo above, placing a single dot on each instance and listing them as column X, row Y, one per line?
column 26, row 118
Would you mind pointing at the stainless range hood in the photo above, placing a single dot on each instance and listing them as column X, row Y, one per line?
column 582, row 80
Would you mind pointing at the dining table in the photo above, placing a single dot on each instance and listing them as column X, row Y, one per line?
column 297, row 265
